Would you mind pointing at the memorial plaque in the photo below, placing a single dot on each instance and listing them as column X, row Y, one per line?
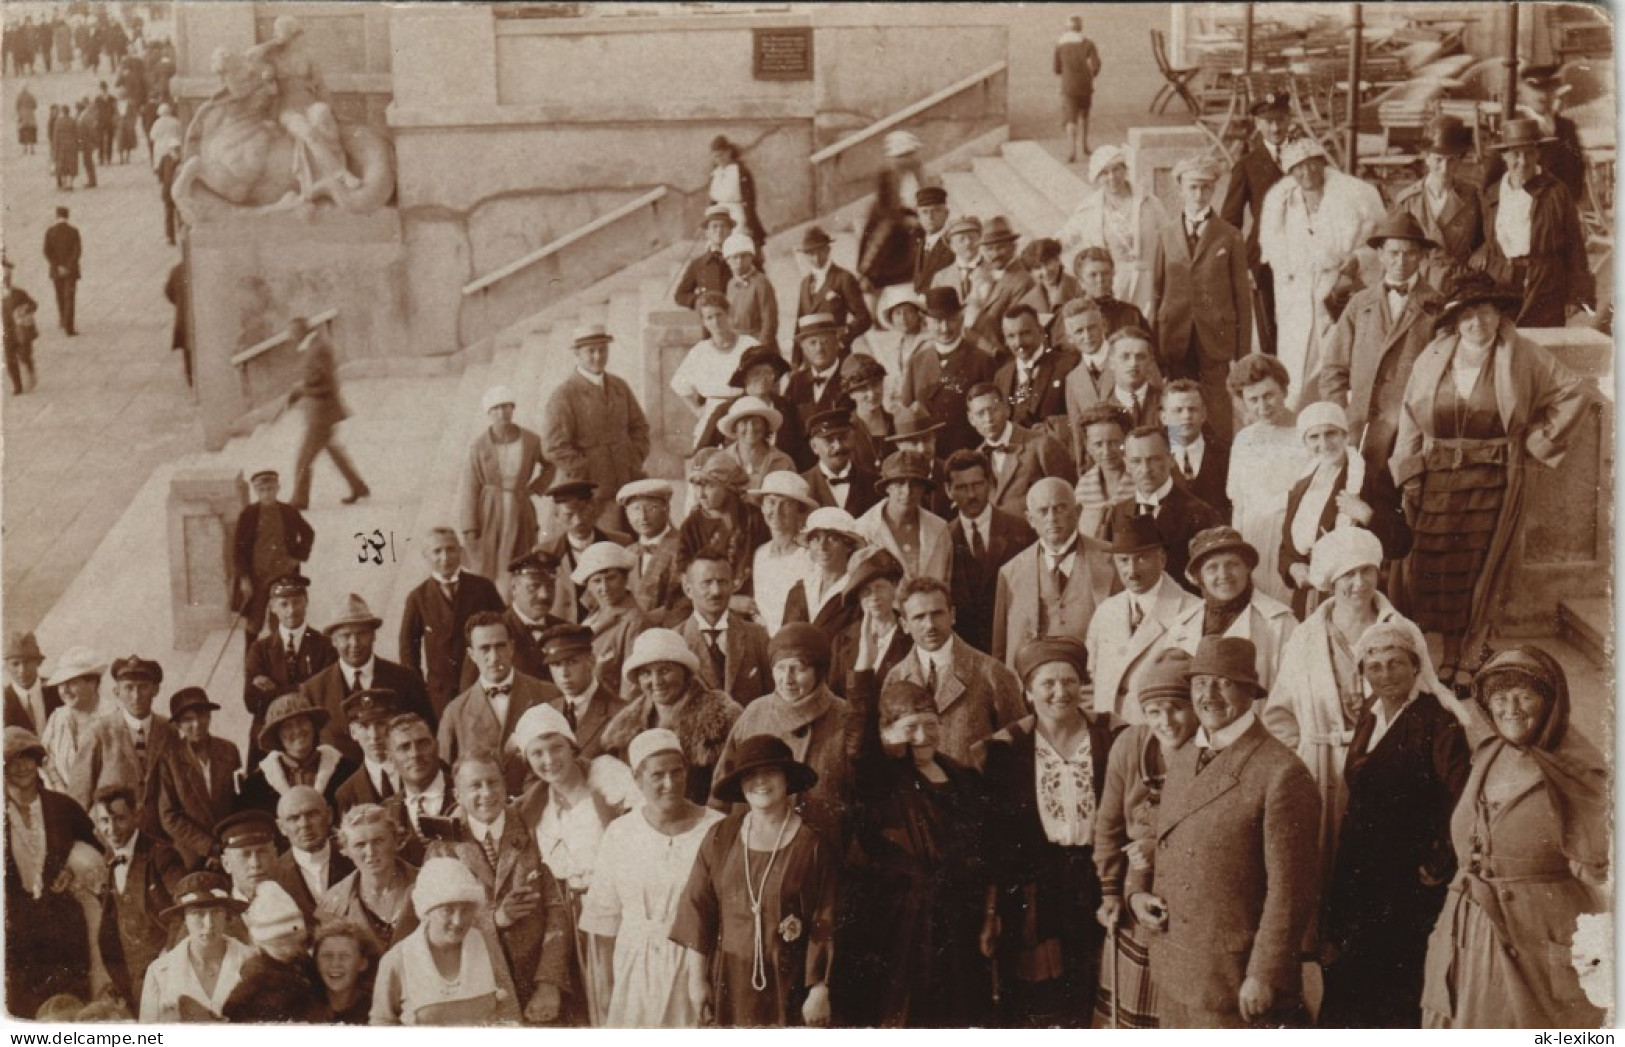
column 782, row 54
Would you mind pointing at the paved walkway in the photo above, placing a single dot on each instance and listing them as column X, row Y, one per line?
column 112, row 403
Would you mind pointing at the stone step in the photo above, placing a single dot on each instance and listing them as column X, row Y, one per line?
column 968, row 196
column 1059, row 183
column 1030, row 210
column 1588, row 624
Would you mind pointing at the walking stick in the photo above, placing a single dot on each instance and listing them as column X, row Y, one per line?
column 1111, row 943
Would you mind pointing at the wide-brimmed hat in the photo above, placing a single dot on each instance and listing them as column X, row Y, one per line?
column 660, row 645
column 754, row 357
column 565, row 641
column 352, row 610
column 836, row 520
column 1447, row 136
column 997, row 230
column 1339, row 551
column 905, row 466
column 21, row 740
column 859, row 370
column 135, row 667
column 496, row 396
column 1299, row 149
column 371, row 705
column 590, row 334
column 189, row 700
column 1217, row 540
column 867, row 565
column 893, row 296
column 942, row 303
column 816, row 323
column 285, row 708
column 1166, row 678
column 445, row 881
column 1104, row 159
column 901, row 143
column 74, row 663
column 20, row 644
column 912, row 422
column 602, row 556
column 1135, row 534
column 202, row 890
column 760, row 752
column 813, row 239
column 1399, row 225
column 1271, row 102
column 648, row 488
column 1475, row 288
column 1233, row 658
column 963, row 224
column 750, row 407
column 784, row 484
column 1047, row 649
column 1520, row 132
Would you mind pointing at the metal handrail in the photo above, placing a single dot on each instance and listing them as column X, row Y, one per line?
column 498, row 275
column 908, row 112
column 266, row 345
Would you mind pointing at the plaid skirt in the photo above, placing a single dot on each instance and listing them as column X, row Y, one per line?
column 1136, row 992
column 1464, row 489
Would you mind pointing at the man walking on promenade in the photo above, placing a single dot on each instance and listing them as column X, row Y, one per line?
column 324, row 410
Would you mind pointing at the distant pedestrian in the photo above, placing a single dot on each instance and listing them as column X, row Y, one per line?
column 27, row 120
column 1077, row 63
column 62, row 250
column 324, row 410
column 20, row 331
column 87, row 127
column 64, row 135
column 175, row 291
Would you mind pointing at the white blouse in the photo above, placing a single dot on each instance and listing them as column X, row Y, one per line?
column 1066, row 792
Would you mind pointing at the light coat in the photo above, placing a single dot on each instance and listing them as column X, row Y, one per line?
column 1016, row 611
column 1368, row 357
column 1119, row 657
column 936, row 543
column 979, row 696
column 1267, row 622
column 470, row 725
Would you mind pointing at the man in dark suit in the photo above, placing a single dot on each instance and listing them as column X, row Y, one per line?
column 827, row 289
column 1236, row 878
column 426, row 789
column 985, row 539
column 47, row 941
column 1201, row 291
column 1020, row 457
column 1201, row 459
column 531, row 583
column 197, row 779
column 353, row 630
column 324, row 409
column 576, row 527
column 311, row 864
column 62, row 251
column 1254, row 174
column 732, row 650
column 708, row 272
column 1001, row 280
column 376, row 780
column 88, row 126
column 286, row 657
column 1033, row 382
column 432, row 622
column 143, row 876
column 1178, row 513
column 29, row 702
column 931, row 203
column 1136, row 388
column 271, row 540
column 940, row 373
column 815, row 386
column 656, row 580
column 586, row 702
column 1095, row 271
column 483, row 717
column 835, row 479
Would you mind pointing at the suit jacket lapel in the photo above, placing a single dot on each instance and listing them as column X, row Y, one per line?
column 592, row 721
column 509, row 849
column 736, row 653
column 1219, row 777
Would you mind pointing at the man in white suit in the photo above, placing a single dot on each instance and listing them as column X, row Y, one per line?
column 1222, row 564
column 1052, row 587
column 1131, row 628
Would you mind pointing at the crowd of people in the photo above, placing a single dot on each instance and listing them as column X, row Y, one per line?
column 1032, row 652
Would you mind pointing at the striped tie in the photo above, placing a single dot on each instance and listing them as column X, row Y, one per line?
column 489, row 843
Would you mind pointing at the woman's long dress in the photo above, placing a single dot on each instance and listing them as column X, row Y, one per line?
column 798, row 923
column 496, row 501
column 638, row 880
column 1265, row 461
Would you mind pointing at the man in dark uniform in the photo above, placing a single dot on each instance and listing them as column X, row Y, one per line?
column 828, row 288
column 587, row 702
column 836, row 478
column 1257, row 170
column 271, row 540
column 284, row 658
column 62, row 251
column 376, row 780
column 532, row 582
column 431, row 639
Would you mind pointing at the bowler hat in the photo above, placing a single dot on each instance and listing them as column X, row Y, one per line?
column 291, row 584
column 371, row 705
column 21, row 740
column 784, row 484
column 564, row 641
column 867, row 565
column 202, row 890
column 833, row 420
column 1521, row 132
column 247, row 828
column 137, row 668
column 998, row 231
column 943, row 303
column 1165, row 678
column 1046, row 649
column 905, row 466
column 912, row 422
column 754, row 357
column 814, row 238
column 1272, row 102
column 1474, row 288
column 1233, row 658
column 22, row 645
column 352, row 610
column 189, row 700
column 1399, row 225
column 1448, row 136
column 1135, row 534
column 566, row 490
column 1544, row 77
column 816, row 323
column 1217, row 540
column 930, row 196
column 760, row 752
column 285, row 708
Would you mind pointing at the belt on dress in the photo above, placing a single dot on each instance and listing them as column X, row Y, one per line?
column 1486, row 893
column 1453, row 454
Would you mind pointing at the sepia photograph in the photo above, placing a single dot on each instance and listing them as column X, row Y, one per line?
column 846, row 515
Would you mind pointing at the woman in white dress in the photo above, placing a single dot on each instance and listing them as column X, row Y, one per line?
column 190, row 982
column 644, row 860
column 1312, row 229
column 1122, row 219
column 1266, row 459
column 704, row 378
column 781, row 561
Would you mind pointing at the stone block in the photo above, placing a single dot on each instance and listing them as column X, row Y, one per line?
column 1153, row 151
column 444, row 54
column 203, row 506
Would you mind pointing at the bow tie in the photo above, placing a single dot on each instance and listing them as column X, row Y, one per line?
column 838, row 481
column 116, row 860
column 999, row 448
column 498, row 691
column 1397, row 289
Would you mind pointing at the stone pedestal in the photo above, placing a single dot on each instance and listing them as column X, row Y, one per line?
column 1153, row 151
column 203, row 507
column 251, row 274
column 668, row 338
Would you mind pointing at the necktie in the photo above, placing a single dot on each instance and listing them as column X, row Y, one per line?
column 998, row 448
column 1135, row 617
column 141, row 742
column 489, row 843
column 1193, row 233
column 1185, row 464
column 355, row 683
column 931, row 678
column 964, row 283
column 1094, row 373
column 838, row 481
column 386, row 788
column 1147, row 509
column 570, row 713
column 719, row 658
column 1204, row 757
column 498, row 690
column 978, row 548
column 449, row 591
column 1057, row 578
column 117, row 860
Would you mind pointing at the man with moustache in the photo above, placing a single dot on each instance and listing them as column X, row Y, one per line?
column 1129, row 628
column 532, row 586
column 1033, row 382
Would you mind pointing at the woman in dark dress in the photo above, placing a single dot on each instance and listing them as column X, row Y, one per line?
column 760, row 903
column 1044, row 777
column 1405, row 771
column 918, row 878
column 1481, row 401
